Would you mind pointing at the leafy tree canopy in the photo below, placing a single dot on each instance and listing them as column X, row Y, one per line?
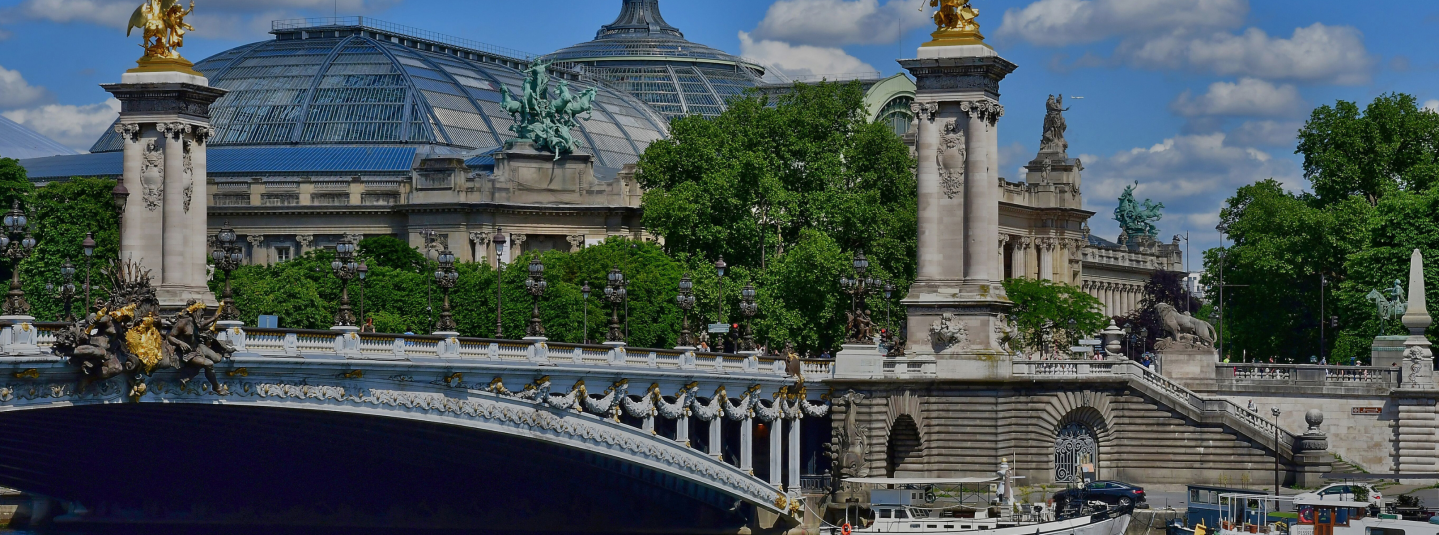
column 1051, row 316
column 390, row 252
column 1392, row 144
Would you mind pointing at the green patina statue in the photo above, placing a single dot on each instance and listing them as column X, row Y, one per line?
column 1136, row 219
column 545, row 122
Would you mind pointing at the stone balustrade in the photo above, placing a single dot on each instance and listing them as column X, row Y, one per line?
column 1298, row 378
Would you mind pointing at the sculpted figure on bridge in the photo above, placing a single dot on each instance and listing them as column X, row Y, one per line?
column 192, row 337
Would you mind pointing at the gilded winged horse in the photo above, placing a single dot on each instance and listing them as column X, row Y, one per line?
column 164, row 26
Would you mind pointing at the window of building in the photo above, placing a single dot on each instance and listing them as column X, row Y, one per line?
column 282, row 254
column 896, row 115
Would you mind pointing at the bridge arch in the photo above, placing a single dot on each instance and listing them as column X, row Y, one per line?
column 1079, row 425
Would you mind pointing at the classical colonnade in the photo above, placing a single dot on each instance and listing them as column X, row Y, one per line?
column 1044, row 258
column 1119, row 298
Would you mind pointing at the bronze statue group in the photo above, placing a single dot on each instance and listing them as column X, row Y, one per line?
column 127, row 334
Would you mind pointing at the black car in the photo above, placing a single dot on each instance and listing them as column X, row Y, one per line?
column 1110, row 492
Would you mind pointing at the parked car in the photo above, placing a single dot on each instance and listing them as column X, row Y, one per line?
column 1345, row 492
column 1110, row 492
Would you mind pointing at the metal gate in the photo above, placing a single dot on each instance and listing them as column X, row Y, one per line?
column 1073, row 448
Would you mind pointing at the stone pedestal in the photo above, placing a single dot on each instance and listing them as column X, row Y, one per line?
column 539, row 351
column 164, row 125
column 232, row 331
column 21, row 337
column 957, row 307
column 523, row 174
column 1387, row 351
column 858, row 361
column 1311, row 453
column 1193, row 367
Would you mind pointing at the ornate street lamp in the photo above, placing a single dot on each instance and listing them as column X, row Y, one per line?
column 119, row 195
column 227, row 259
column 18, row 243
column 858, row 288
column 446, row 276
column 364, row 272
column 615, row 292
column 586, row 291
column 89, row 246
column 499, row 240
column 1275, row 412
column 67, row 289
column 686, row 300
column 748, row 307
column 720, row 268
column 536, row 285
column 345, row 269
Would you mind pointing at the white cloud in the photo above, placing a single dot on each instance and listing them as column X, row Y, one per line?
column 1249, row 97
column 1431, row 105
column 838, row 22
column 1265, row 134
column 76, row 127
column 1317, row 53
column 801, row 60
column 1066, row 22
column 15, row 92
column 1191, row 174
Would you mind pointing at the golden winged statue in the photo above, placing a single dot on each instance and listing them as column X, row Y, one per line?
column 163, row 25
column 955, row 22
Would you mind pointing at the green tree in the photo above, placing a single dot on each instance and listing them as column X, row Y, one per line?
column 390, row 252
column 747, row 183
column 15, row 184
column 1392, row 144
column 1043, row 312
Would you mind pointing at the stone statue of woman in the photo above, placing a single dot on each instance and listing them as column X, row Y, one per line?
column 1054, row 126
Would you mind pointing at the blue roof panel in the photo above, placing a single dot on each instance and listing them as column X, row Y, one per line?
column 66, row 166
column 19, row 142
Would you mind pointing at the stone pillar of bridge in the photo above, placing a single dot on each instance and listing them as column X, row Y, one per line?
column 165, row 124
column 792, row 459
column 716, row 444
column 957, row 305
column 746, row 444
column 776, row 452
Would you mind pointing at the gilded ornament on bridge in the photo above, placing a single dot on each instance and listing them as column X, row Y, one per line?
column 163, row 25
column 955, row 23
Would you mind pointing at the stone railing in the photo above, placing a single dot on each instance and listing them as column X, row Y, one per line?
column 1234, row 376
column 1216, row 410
column 302, row 343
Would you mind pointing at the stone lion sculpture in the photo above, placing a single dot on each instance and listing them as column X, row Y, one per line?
column 1183, row 327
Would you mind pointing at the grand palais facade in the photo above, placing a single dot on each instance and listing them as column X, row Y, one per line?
column 352, row 127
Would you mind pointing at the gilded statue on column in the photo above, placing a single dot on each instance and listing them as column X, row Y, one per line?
column 955, row 24
column 163, row 25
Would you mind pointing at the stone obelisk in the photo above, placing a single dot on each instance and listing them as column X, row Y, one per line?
column 165, row 125
column 957, row 306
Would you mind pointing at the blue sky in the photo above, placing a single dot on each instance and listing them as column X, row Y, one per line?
column 1192, row 98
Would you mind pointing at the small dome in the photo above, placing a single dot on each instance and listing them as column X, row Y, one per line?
column 642, row 54
column 365, row 82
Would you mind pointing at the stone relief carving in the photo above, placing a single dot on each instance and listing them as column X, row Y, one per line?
column 305, row 241
column 1044, row 169
column 354, row 237
column 577, row 242
column 958, row 82
column 1004, row 329
column 152, row 175
column 947, row 331
column 173, row 130
column 189, row 171
column 951, row 156
column 850, row 446
column 986, row 111
column 202, row 134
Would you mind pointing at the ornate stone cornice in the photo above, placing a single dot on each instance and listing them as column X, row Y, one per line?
column 924, row 111
column 985, row 110
column 173, row 130
column 128, row 131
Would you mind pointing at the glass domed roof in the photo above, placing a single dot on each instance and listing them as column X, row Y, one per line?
column 359, row 81
column 645, row 56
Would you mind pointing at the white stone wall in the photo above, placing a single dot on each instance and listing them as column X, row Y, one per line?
column 1366, row 440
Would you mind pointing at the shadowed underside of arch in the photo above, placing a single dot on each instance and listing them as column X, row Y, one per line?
column 266, row 465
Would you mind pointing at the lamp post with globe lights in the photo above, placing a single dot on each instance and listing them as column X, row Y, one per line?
column 345, row 269
column 445, row 277
column 749, row 308
column 18, row 244
column 616, row 293
column 364, row 272
column 89, row 247
column 227, row 259
column 536, row 285
column 720, row 268
column 686, row 301
column 586, row 291
column 66, row 289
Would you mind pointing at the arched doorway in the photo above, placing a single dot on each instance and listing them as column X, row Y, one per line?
column 906, row 449
column 1075, row 448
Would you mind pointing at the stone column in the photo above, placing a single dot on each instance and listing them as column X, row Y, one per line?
column 682, row 428
column 1046, row 259
column 981, row 194
column 303, row 243
column 1018, row 264
column 479, row 246
column 941, row 252
column 746, row 444
column 164, row 120
column 255, row 241
column 776, row 451
column 517, row 242
column 716, row 444
column 174, row 275
column 793, row 460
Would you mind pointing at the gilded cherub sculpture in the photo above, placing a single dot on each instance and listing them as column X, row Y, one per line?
column 955, row 15
column 164, row 26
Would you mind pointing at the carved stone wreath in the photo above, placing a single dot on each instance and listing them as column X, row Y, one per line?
column 951, row 157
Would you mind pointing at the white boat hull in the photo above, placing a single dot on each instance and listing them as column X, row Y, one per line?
column 1108, row 523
